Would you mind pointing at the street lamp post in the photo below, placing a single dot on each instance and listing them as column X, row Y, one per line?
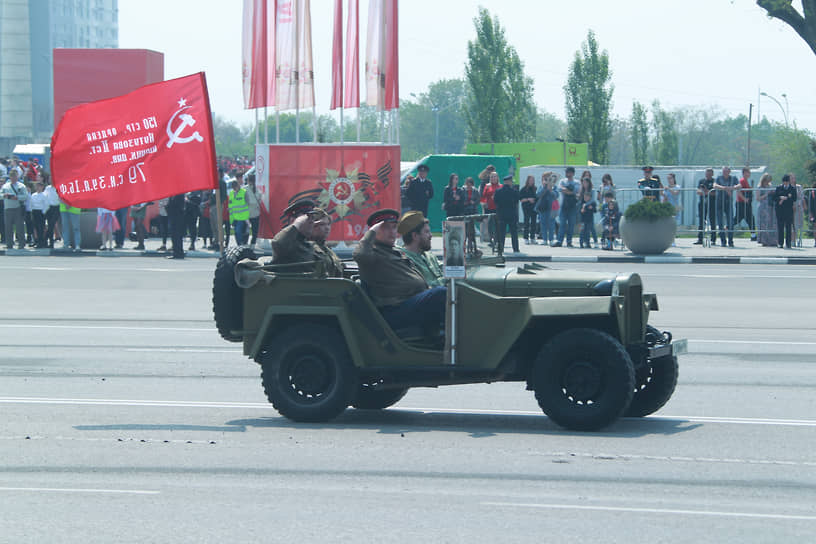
column 778, row 103
column 435, row 109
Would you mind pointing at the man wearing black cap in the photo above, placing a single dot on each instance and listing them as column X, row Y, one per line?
column 295, row 243
column 507, row 199
column 420, row 192
column 394, row 283
column 649, row 185
column 416, row 236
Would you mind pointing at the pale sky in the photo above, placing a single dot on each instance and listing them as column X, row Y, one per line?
column 692, row 52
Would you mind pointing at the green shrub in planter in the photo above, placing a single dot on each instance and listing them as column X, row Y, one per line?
column 648, row 210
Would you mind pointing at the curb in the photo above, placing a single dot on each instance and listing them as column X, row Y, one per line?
column 515, row 257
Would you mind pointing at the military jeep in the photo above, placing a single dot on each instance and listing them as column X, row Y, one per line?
column 579, row 340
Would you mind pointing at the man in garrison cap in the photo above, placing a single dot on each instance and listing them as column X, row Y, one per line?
column 295, row 243
column 395, row 284
column 416, row 237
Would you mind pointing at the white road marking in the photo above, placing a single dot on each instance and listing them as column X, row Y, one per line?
column 104, row 327
column 752, row 342
column 672, row 511
column 80, row 490
column 185, row 350
column 423, row 410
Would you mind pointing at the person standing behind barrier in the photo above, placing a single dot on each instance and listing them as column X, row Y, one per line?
column 254, row 201
column 421, row 191
column 568, row 188
column 71, row 235
column 607, row 186
column 798, row 210
column 784, row 198
column 490, row 205
column 507, row 201
column 484, row 181
column 39, row 206
column 52, row 214
column 164, row 223
column 649, row 185
column 527, row 196
column 610, row 219
column 14, row 196
column 745, row 197
column 810, row 196
column 452, row 199
column 705, row 207
column 546, row 197
column 470, row 206
column 765, row 212
column 588, row 209
column 671, row 195
column 724, row 186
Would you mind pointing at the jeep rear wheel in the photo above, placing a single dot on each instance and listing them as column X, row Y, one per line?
column 583, row 379
column 655, row 382
column 309, row 376
column 228, row 300
column 369, row 398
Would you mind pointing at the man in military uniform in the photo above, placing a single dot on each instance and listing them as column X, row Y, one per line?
column 783, row 197
column 507, row 200
column 649, row 185
column 320, row 231
column 394, row 283
column 294, row 244
column 724, row 186
column 421, row 190
column 416, row 235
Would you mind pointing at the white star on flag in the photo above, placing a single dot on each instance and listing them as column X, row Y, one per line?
column 182, row 102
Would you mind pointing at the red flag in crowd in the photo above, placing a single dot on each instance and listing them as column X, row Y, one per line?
column 337, row 57
column 353, row 56
column 154, row 142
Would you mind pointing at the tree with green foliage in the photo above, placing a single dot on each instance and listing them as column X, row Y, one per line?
column 589, row 99
column 499, row 106
column 665, row 135
column 639, row 127
column 230, row 140
column 803, row 23
column 444, row 101
column 549, row 127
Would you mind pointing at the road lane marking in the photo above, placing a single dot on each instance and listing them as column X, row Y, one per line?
column 752, row 342
column 422, row 410
column 105, row 327
column 81, row 490
column 185, row 350
column 671, row 511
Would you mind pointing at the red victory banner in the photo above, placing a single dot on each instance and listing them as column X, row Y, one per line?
column 154, row 142
column 348, row 181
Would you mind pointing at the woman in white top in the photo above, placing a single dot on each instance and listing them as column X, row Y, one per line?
column 39, row 206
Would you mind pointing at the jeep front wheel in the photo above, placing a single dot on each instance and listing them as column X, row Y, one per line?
column 655, row 382
column 583, row 379
column 308, row 376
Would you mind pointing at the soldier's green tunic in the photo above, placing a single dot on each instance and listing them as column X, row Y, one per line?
column 391, row 276
column 291, row 246
column 428, row 265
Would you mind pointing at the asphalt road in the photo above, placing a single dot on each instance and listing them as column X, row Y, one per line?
column 127, row 419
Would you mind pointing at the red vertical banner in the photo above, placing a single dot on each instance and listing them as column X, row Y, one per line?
column 391, row 55
column 352, row 86
column 337, row 57
column 348, row 181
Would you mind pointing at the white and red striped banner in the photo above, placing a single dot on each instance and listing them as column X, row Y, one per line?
column 375, row 55
column 337, row 57
column 258, row 53
column 391, row 90
column 305, row 80
column 352, row 80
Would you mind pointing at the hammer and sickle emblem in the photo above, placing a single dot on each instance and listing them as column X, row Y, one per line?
column 186, row 121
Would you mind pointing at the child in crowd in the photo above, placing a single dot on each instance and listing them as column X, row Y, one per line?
column 588, row 209
column 610, row 219
column 106, row 223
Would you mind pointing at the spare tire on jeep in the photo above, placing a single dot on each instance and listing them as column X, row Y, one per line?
column 228, row 299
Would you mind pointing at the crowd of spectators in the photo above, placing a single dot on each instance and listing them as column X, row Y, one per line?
column 32, row 214
column 557, row 209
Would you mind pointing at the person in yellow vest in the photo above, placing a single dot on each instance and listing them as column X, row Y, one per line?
column 69, row 216
column 239, row 212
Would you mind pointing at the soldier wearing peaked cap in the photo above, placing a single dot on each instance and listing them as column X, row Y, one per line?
column 647, row 182
column 395, row 284
column 303, row 241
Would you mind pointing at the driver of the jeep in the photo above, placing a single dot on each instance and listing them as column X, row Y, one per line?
column 394, row 283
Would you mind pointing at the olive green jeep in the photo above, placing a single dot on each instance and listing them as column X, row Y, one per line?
column 579, row 340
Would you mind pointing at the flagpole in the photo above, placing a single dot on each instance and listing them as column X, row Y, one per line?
column 277, row 125
column 358, row 124
column 266, row 126
column 219, row 219
column 341, row 125
column 297, row 69
column 257, row 128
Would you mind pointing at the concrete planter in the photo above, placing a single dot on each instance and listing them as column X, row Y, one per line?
column 647, row 238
